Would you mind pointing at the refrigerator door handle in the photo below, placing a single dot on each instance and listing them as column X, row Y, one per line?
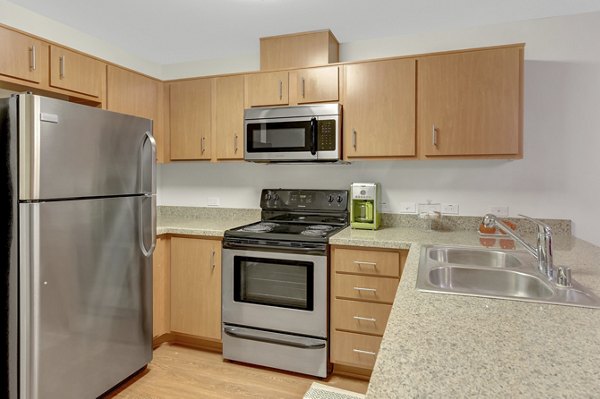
column 148, row 251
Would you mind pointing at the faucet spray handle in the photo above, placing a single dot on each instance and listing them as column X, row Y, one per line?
column 563, row 276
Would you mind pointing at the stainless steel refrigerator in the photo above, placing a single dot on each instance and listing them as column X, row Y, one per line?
column 77, row 234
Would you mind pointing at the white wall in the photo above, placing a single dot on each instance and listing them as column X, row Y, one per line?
column 36, row 24
column 558, row 178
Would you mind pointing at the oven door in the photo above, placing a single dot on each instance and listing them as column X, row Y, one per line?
column 283, row 292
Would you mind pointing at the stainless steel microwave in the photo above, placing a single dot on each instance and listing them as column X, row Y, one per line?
column 292, row 134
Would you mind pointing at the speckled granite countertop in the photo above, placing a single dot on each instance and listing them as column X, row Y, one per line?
column 446, row 346
column 202, row 221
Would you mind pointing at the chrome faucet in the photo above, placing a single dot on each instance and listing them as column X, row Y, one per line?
column 543, row 252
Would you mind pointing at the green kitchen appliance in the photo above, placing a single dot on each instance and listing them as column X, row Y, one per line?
column 365, row 209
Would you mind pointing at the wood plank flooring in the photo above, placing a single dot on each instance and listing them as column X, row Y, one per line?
column 181, row 372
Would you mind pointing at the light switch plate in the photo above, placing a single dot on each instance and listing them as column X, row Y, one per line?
column 213, row 201
column 450, row 209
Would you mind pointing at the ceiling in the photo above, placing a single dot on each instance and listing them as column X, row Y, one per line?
column 177, row 31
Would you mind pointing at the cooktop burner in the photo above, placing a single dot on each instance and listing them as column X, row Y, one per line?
column 314, row 233
column 319, row 227
column 261, row 227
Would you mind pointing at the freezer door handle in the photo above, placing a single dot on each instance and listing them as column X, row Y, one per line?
column 148, row 136
column 274, row 338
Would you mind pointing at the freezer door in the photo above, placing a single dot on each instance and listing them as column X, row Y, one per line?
column 68, row 150
column 85, row 296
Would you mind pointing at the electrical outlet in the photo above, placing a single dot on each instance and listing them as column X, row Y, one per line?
column 213, row 201
column 500, row 211
column 385, row 207
column 450, row 209
column 407, row 207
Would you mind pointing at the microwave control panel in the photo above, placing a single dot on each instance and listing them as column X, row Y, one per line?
column 327, row 135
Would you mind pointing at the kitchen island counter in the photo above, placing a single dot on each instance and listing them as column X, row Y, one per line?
column 439, row 345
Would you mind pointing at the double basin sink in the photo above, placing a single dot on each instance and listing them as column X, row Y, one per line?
column 494, row 274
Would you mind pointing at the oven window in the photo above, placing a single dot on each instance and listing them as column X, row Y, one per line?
column 278, row 136
column 274, row 282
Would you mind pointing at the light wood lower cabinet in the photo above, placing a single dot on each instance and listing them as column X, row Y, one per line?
column 196, row 287
column 161, row 288
column 364, row 283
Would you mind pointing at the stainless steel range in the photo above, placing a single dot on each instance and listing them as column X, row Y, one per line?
column 275, row 281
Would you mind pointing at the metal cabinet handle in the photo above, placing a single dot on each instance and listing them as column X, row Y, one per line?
column 364, row 352
column 303, row 88
column 33, row 61
column 364, row 319
column 235, row 143
column 365, row 289
column 360, row 262
column 202, row 148
column 61, row 66
column 434, row 136
column 281, row 90
column 212, row 259
column 354, row 139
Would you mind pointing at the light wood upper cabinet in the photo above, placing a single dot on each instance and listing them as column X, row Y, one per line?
column 267, row 88
column 190, row 119
column 379, row 109
column 161, row 288
column 134, row 94
column 470, row 103
column 196, row 287
column 22, row 56
column 76, row 72
column 229, row 117
column 314, row 85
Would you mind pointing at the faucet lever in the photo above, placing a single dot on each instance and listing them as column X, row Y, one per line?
column 563, row 276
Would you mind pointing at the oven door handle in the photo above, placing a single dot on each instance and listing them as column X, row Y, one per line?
column 274, row 338
column 313, row 136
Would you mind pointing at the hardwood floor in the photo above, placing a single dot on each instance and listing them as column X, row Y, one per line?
column 181, row 372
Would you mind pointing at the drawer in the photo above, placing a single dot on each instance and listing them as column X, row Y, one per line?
column 356, row 350
column 366, row 288
column 376, row 263
column 361, row 317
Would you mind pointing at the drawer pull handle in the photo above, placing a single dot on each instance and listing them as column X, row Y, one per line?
column 361, row 352
column 360, row 262
column 365, row 319
column 365, row 289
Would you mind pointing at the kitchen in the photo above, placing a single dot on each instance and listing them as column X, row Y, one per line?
column 555, row 179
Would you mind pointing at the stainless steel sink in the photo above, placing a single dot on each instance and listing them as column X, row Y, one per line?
column 481, row 257
column 494, row 274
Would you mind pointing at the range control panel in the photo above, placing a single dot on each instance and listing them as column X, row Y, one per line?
column 308, row 200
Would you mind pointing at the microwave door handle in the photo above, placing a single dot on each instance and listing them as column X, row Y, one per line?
column 313, row 136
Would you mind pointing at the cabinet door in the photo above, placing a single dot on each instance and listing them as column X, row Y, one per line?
column 379, row 109
column 229, row 121
column 161, row 290
column 76, row 72
column 190, row 115
column 267, row 88
column 317, row 85
column 469, row 103
column 134, row 94
column 21, row 56
column 196, row 287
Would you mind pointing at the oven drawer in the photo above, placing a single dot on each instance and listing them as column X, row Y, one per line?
column 365, row 288
column 360, row 317
column 376, row 263
column 356, row 350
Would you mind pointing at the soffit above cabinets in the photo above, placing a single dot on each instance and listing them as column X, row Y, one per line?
column 180, row 31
